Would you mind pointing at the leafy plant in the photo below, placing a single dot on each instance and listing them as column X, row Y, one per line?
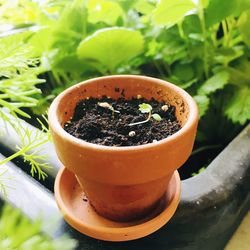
column 19, row 70
column 18, row 232
column 146, row 108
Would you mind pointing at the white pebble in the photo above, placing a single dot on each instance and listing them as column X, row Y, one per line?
column 164, row 108
column 131, row 133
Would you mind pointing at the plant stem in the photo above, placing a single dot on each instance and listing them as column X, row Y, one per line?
column 204, row 34
column 137, row 123
column 198, row 150
column 225, row 33
column 181, row 31
column 159, row 68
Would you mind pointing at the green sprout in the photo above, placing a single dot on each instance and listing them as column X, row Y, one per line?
column 108, row 106
column 146, row 109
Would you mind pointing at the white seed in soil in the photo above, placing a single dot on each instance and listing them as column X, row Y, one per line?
column 139, row 96
column 104, row 105
column 131, row 133
column 154, row 140
column 164, row 108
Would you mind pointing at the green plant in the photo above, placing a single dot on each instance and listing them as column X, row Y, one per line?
column 19, row 70
column 18, row 232
column 146, row 108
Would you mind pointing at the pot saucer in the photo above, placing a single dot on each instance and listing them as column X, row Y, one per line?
column 81, row 216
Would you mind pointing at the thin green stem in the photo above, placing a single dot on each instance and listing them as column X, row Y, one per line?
column 18, row 153
column 137, row 123
column 225, row 33
column 198, row 150
column 204, row 34
column 158, row 67
column 181, row 31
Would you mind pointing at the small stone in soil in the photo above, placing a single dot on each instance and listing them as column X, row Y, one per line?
column 99, row 125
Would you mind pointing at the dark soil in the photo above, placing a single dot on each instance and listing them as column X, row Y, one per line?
column 96, row 124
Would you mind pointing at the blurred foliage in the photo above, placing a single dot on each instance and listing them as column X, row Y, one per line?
column 18, row 232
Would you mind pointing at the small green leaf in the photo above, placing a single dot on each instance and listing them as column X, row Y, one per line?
column 169, row 12
column 203, row 104
column 157, row 117
column 237, row 108
column 104, row 11
column 217, row 81
column 145, row 108
column 109, row 47
column 244, row 24
column 200, row 171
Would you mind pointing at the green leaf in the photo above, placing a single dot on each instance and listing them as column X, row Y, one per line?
column 145, row 108
column 204, row 3
column 64, row 35
column 241, row 6
column 109, row 47
column 183, row 71
column 244, row 26
column 239, row 74
column 217, row 10
column 157, row 117
column 104, row 11
column 217, row 81
column 237, row 108
column 225, row 55
column 169, row 12
column 203, row 104
column 144, row 6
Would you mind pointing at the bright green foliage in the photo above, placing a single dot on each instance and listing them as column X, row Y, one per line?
column 104, row 11
column 18, row 232
column 238, row 107
column 145, row 108
column 203, row 104
column 214, row 83
column 244, row 24
column 107, row 48
column 218, row 10
column 170, row 12
column 18, row 75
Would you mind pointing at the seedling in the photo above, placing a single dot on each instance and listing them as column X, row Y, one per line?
column 146, row 109
column 108, row 106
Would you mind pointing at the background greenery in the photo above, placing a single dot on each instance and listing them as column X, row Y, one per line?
column 200, row 45
column 17, row 232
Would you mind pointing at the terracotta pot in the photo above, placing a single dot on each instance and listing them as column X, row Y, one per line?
column 124, row 183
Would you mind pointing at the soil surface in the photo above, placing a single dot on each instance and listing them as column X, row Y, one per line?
column 95, row 122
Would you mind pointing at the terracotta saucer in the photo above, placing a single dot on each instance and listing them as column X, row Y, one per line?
column 81, row 216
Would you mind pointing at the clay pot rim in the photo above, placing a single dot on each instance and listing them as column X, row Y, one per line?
column 55, row 124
